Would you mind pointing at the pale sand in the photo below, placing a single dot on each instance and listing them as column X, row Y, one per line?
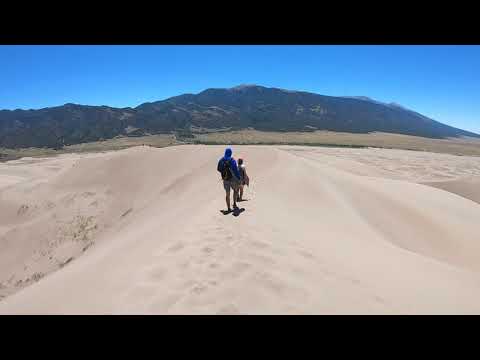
column 324, row 231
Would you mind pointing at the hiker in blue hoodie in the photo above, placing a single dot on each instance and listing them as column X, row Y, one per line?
column 227, row 166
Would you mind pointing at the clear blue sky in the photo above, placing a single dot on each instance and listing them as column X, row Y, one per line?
column 442, row 82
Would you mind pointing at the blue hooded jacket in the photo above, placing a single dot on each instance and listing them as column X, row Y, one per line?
column 233, row 163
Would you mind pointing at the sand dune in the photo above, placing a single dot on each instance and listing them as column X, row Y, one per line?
column 324, row 231
column 468, row 188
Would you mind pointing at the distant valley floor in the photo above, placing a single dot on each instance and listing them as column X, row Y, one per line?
column 454, row 146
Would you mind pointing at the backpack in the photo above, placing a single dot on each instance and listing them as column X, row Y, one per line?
column 224, row 169
column 241, row 170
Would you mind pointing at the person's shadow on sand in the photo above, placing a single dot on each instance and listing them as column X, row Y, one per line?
column 234, row 212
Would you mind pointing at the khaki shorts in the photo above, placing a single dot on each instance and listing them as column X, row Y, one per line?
column 232, row 183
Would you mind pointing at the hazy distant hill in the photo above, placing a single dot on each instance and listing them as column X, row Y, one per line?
column 245, row 106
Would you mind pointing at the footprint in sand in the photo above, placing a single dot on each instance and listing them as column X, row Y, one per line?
column 199, row 289
column 127, row 212
column 379, row 300
column 37, row 276
column 305, row 254
column 259, row 244
column 87, row 246
column 208, row 250
column 22, row 209
column 177, row 247
column 49, row 205
column 158, row 274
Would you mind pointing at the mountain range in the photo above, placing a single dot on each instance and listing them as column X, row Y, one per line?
column 240, row 107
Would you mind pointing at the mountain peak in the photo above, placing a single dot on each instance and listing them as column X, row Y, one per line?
column 364, row 98
column 245, row 86
column 397, row 105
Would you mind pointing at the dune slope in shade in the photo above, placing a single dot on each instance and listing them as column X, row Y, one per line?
column 320, row 234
